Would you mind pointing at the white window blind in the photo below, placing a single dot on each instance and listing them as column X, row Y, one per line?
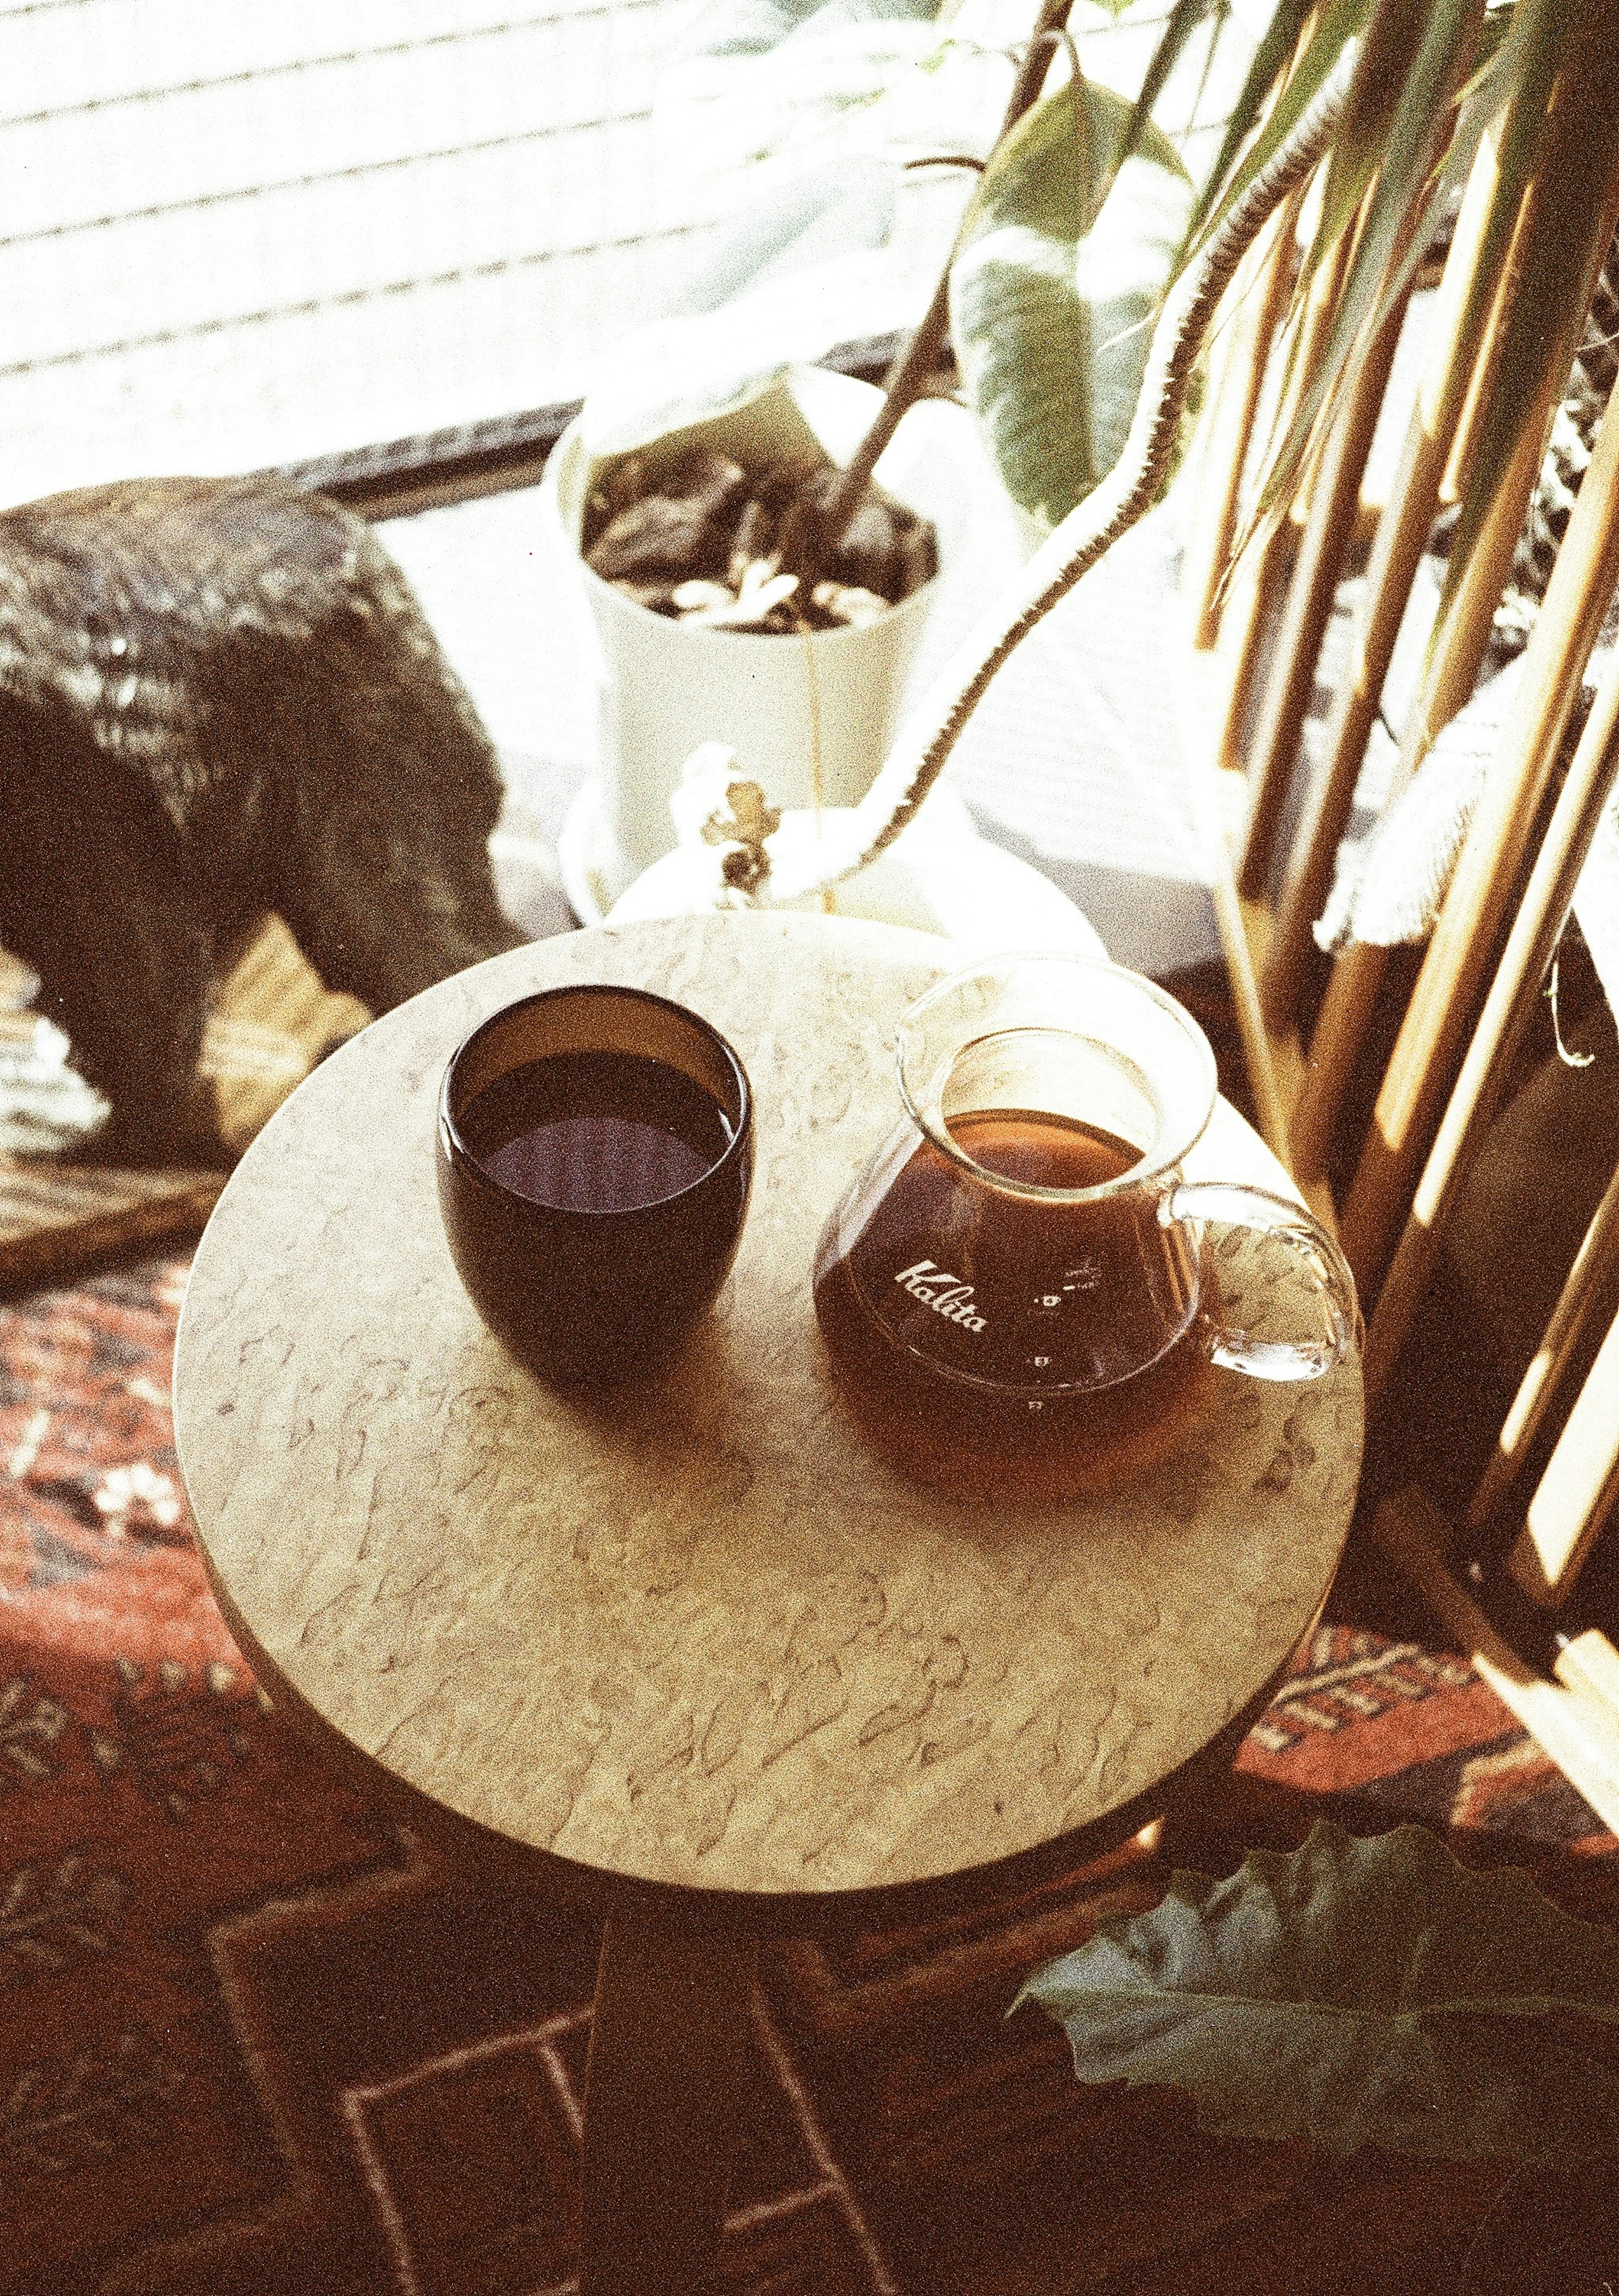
column 237, row 234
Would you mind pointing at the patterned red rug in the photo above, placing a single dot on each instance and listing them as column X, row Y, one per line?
column 252, row 2039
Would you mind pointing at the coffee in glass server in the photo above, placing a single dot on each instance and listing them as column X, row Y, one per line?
column 1016, row 1288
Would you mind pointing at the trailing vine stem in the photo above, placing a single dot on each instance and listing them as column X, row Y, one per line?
column 1090, row 529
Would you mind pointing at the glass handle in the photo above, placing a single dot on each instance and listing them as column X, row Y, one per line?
column 1231, row 1201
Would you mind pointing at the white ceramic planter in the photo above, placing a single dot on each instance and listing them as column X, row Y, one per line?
column 664, row 688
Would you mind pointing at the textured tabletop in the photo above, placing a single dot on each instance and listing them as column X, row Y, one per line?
column 705, row 1637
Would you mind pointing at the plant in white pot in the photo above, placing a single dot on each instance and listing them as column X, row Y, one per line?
column 809, row 713
column 804, row 699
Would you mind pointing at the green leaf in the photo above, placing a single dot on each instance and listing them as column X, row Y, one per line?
column 1265, row 72
column 1051, row 314
column 1332, row 25
column 1554, row 152
column 1396, row 119
column 1388, row 157
column 1360, row 1993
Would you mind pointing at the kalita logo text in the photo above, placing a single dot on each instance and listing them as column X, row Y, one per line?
column 947, row 1295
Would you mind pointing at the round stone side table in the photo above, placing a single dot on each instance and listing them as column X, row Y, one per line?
column 696, row 1655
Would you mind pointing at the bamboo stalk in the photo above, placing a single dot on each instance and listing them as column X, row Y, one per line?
column 1580, row 1735
column 1588, row 1666
column 1274, row 1062
column 1352, row 993
column 1257, row 301
column 1576, row 1494
column 1403, row 532
column 1335, row 502
column 1428, row 1052
column 1459, row 650
column 1249, row 617
column 1246, row 615
column 1535, row 931
column 1589, row 1295
column 1567, row 216
column 1235, row 920
column 1241, row 361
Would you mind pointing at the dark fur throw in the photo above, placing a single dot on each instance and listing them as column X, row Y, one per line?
column 219, row 697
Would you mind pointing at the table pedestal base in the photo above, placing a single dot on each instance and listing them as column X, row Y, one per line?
column 663, row 2101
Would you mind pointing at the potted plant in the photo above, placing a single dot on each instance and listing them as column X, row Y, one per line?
column 1394, row 97
column 1375, row 1992
column 679, row 661
column 700, row 633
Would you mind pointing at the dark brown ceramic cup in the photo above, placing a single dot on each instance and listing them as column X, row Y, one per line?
column 594, row 1237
